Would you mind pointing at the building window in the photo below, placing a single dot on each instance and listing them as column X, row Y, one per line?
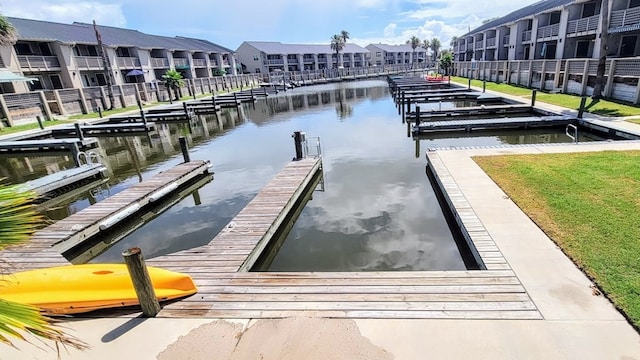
column 23, row 49
column 582, row 49
column 256, row 58
column 257, row 70
column 378, row 54
column 628, row 46
column 634, row 3
column 378, row 63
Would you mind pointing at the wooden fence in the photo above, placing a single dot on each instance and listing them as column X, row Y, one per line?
column 570, row 76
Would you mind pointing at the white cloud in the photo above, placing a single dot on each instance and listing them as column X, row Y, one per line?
column 390, row 30
column 66, row 11
column 461, row 8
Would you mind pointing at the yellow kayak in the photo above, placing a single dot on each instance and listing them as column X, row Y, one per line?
column 80, row 288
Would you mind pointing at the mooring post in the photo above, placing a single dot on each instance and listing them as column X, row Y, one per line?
column 75, row 151
column 297, row 139
column 139, row 105
column 143, row 116
column 235, row 98
column 417, row 115
column 141, row 281
column 533, row 97
column 40, row 122
column 186, row 109
column 583, row 103
column 99, row 110
column 469, row 83
column 401, row 104
column 185, row 148
column 79, row 131
column 484, row 86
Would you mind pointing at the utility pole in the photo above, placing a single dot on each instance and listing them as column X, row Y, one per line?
column 107, row 67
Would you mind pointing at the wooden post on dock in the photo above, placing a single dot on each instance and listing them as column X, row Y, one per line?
column 185, row 149
column 99, row 110
column 79, row 131
column 484, row 86
column 417, row 115
column 401, row 105
column 186, row 109
column 533, row 97
column 141, row 281
column 297, row 139
column 40, row 124
column 469, row 83
column 583, row 102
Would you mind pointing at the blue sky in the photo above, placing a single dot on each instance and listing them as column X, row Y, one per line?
column 231, row 22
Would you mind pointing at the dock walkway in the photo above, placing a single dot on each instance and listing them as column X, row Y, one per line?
column 46, row 245
column 56, row 181
column 494, row 123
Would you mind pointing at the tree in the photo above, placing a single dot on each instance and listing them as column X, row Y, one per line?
column 107, row 67
column 426, row 45
column 18, row 219
column 173, row 81
column 453, row 41
column 7, row 32
column 446, row 61
column 414, row 42
column 435, row 47
column 345, row 35
column 602, row 61
column 337, row 44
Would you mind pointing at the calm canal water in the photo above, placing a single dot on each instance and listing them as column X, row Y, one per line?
column 378, row 212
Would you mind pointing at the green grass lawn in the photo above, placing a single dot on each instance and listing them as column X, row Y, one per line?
column 602, row 107
column 25, row 127
column 589, row 204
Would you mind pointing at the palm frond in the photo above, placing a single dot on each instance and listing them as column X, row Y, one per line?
column 18, row 218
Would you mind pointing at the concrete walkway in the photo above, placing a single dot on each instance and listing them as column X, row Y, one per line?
column 577, row 324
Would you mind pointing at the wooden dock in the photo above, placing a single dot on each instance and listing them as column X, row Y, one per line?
column 46, row 245
column 474, row 112
column 227, row 290
column 104, row 129
column 494, row 123
column 31, row 146
column 65, row 179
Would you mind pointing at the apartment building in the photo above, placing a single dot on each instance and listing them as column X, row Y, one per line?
column 382, row 54
column 554, row 29
column 268, row 56
column 64, row 56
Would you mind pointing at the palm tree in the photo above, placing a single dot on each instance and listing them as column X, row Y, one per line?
column 18, row 219
column 414, row 42
column 7, row 32
column 106, row 63
column 173, row 81
column 426, row 45
column 337, row 44
column 345, row 35
column 602, row 61
column 435, row 47
column 446, row 60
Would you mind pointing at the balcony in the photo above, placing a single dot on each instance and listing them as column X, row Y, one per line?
column 479, row 44
column 39, row 63
column 505, row 40
column 128, row 62
column 200, row 63
column 491, row 42
column 581, row 25
column 273, row 62
column 462, row 48
column 469, row 47
column 159, row 63
column 548, row 31
column 181, row 63
column 89, row 63
column 308, row 60
column 292, row 60
column 625, row 17
column 213, row 62
column 526, row 36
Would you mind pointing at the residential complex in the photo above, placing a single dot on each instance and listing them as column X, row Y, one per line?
column 66, row 56
column 554, row 29
column 382, row 54
column 267, row 56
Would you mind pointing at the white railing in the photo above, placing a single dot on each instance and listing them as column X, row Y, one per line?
column 586, row 24
column 89, row 62
column 548, row 31
column 526, row 36
column 274, row 62
column 160, row 62
column 180, row 62
column 292, row 60
column 491, row 42
column 469, row 46
column 39, row 63
column 479, row 44
column 199, row 62
column 625, row 17
column 128, row 62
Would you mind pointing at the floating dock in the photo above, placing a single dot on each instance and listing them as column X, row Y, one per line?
column 47, row 244
column 105, row 129
column 494, row 123
column 32, row 146
column 474, row 112
column 65, row 179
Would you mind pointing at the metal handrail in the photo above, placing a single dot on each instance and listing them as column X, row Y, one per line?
column 573, row 137
column 313, row 143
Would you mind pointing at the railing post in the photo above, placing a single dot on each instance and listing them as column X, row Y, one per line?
column 185, row 149
column 141, row 282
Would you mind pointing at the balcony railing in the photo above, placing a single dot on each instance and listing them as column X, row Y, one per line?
column 274, row 62
column 526, row 36
column 128, row 62
column 469, row 47
column 292, row 60
column 199, row 62
column 213, row 62
column 89, row 63
column 479, row 44
column 548, row 31
column 39, row 63
column 491, row 42
column 160, row 62
column 308, row 59
column 182, row 62
column 587, row 24
column 505, row 40
column 625, row 17
column 462, row 47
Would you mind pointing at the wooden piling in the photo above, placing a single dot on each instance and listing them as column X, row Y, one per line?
column 185, row 149
column 533, row 97
column 79, row 131
column 417, row 115
column 583, row 102
column 297, row 139
column 141, row 281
